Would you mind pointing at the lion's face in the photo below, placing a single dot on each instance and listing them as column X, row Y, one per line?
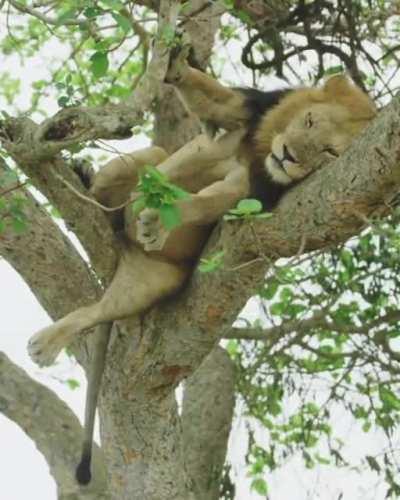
column 317, row 135
column 320, row 125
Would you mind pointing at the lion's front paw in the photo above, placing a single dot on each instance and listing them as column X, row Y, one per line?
column 44, row 347
column 178, row 64
column 150, row 231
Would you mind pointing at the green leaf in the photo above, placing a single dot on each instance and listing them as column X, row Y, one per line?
column 66, row 15
column 212, row 263
column 99, row 64
column 92, row 12
column 113, row 4
column 260, row 486
column 270, row 289
column 232, row 347
column 123, row 22
column 138, row 205
column 170, row 216
column 389, row 398
column 248, row 207
column 18, row 225
column 63, row 101
column 333, row 70
column 168, row 35
column 373, row 464
column 72, row 384
column 9, row 178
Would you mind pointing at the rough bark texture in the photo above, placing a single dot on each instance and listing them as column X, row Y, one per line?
column 324, row 210
column 153, row 455
column 207, row 413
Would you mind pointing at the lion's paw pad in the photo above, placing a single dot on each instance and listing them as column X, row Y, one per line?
column 150, row 231
column 42, row 350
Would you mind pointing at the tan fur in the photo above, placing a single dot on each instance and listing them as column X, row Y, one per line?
column 314, row 125
column 339, row 111
column 155, row 263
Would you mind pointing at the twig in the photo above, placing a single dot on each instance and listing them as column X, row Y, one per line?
column 80, row 195
column 13, row 188
column 46, row 19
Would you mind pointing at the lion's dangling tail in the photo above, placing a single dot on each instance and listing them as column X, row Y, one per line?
column 83, row 473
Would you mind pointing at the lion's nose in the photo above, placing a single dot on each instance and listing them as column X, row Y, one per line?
column 287, row 155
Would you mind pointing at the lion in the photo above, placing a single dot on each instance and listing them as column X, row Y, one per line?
column 290, row 132
column 272, row 141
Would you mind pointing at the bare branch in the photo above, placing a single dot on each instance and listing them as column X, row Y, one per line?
column 25, row 9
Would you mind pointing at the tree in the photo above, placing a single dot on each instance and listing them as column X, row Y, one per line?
column 332, row 308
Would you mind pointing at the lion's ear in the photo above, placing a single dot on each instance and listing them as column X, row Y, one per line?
column 338, row 85
column 339, row 89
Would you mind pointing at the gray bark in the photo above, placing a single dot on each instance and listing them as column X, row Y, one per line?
column 207, row 412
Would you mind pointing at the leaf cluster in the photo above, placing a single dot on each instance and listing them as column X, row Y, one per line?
column 160, row 194
column 333, row 342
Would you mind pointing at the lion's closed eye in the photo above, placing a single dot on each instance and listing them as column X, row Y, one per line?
column 331, row 151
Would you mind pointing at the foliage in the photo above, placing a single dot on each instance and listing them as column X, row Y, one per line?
column 247, row 208
column 158, row 193
column 212, row 263
column 333, row 343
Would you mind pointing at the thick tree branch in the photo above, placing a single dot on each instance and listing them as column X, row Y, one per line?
column 96, row 237
column 44, row 257
column 29, row 142
column 48, row 262
column 207, row 414
column 53, row 427
column 174, row 125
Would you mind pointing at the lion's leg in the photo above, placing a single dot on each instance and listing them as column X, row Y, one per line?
column 203, row 208
column 184, row 166
column 206, row 97
column 115, row 181
column 209, row 204
column 138, row 283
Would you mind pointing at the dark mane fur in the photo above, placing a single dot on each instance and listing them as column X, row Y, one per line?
column 258, row 102
column 263, row 188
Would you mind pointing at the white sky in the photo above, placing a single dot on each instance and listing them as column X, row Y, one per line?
column 24, row 472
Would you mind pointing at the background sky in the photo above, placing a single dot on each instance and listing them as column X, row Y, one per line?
column 24, row 472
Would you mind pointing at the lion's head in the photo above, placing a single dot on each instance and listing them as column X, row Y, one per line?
column 311, row 127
